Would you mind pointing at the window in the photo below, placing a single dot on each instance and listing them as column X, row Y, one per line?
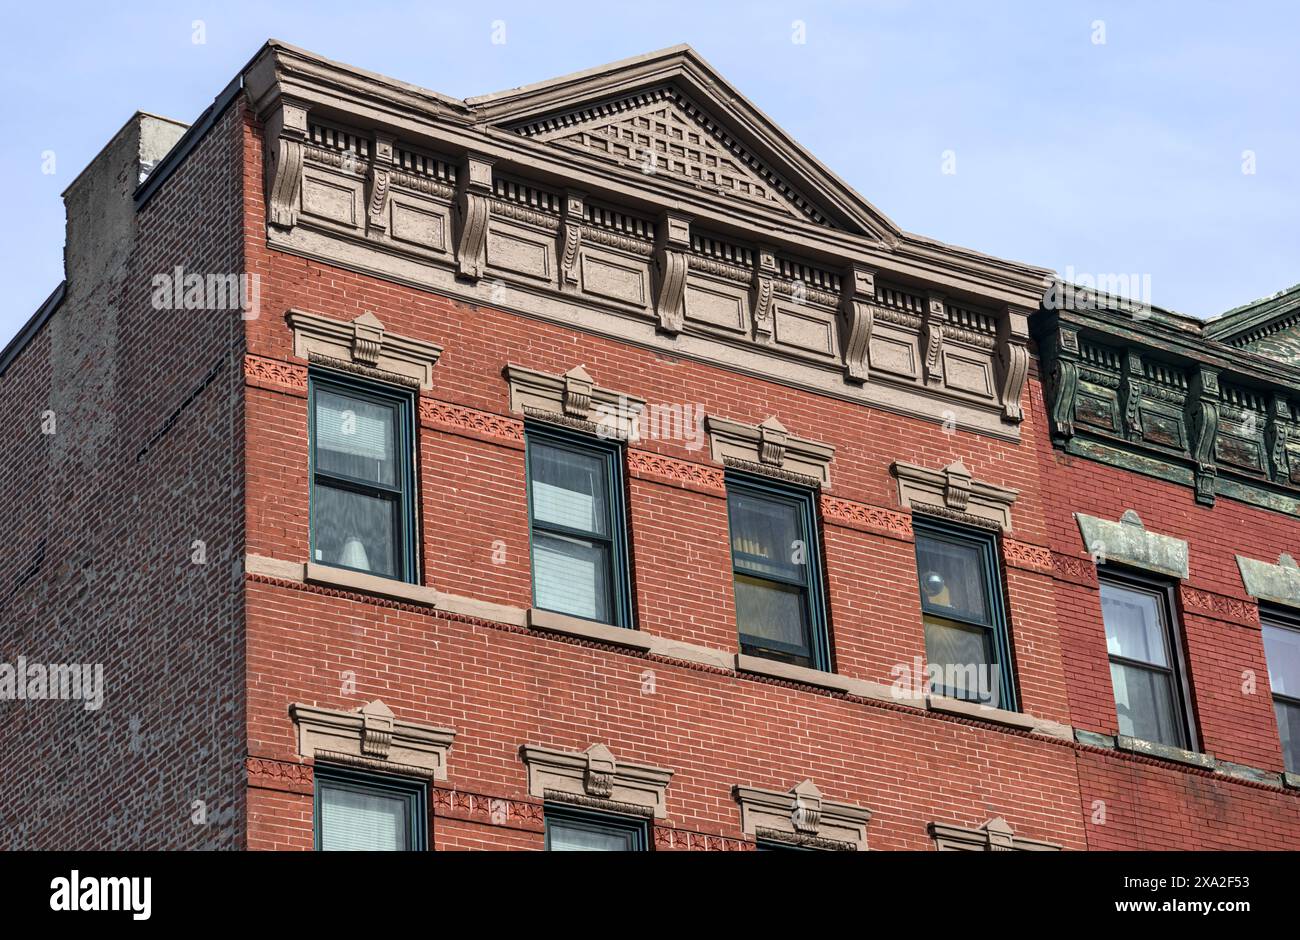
column 569, row 829
column 368, row 811
column 1282, row 647
column 362, row 514
column 575, row 505
column 776, row 569
column 1145, row 660
column 967, row 647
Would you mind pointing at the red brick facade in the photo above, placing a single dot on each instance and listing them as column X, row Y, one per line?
column 209, row 664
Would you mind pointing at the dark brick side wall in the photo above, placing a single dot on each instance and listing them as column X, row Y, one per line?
column 100, row 522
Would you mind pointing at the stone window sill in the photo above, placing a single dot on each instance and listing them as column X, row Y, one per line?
column 553, row 622
column 369, row 584
column 1164, row 751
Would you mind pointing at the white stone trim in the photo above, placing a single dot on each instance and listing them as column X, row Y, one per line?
column 995, row 835
column 769, row 446
column 539, row 619
column 348, row 580
column 953, row 489
column 1128, row 542
column 575, row 396
column 802, row 814
column 363, row 342
column 372, row 735
column 595, row 774
column 1279, row 583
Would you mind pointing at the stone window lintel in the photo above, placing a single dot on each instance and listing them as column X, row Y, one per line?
column 594, row 773
column 802, row 814
column 363, row 343
column 1128, row 542
column 769, row 445
column 371, row 735
column 954, row 490
column 575, row 397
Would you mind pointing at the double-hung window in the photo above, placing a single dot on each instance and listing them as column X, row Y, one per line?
column 967, row 647
column 1282, row 647
column 577, row 526
column 362, row 477
column 1146, row 672
column 570, row 829
column 776, row 570
column 369, row 811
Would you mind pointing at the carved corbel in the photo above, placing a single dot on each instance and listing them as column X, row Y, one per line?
column 571, row 239
column 1063, row 352
column 764, row 291
column 1132, row 392
column 578, row 386
column 772, row 440
column 672, row 242
column 286, row 134
column 1013, row 358
column 936, row 315
column 1203, row 421
column 1275, row 432
column 377, row 181
column 472, row 214
column 859, row 308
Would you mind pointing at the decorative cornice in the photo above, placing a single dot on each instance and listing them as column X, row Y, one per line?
column 372, row 735
column 953, row 490
column 769, row 445
column 1149, row 393
column 802, row 813
column 1128, row 542
column 595, row 773
column 365, row 343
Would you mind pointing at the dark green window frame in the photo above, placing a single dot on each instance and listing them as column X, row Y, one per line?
column 633, row 828
column 1284, row 622
column 416, row 793
column 995, row 624
column 1175, row 668
column 611, row 454
column 814, row 652
column 402, row 493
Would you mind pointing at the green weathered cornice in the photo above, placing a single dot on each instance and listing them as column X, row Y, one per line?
column 1148, row 391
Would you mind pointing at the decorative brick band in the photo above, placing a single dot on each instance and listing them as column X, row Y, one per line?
column 645, row 465
column 274, row 374
column 874, row 519
column 1029, row 557
column 1242, row 612
column 1074, row 570
column 460, row 420
column 270, row 774
column 489, row 810
column 683, row 840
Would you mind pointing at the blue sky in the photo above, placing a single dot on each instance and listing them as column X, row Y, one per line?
column 1122, row 156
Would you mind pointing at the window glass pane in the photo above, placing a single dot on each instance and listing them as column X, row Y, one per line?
column 571, row 576
column 1288, row 727
column 356, row 438
column 358, row 820
column 1134, row 627
column 1282, row 647
column 569, row 489
column 769, row 610
column 354, row 530
column 952, row 579
column 965, row 655
column 575, row 837
column 767, row 536
column 1144, row 701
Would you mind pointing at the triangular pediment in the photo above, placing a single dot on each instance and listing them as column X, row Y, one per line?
column 669, row 116
column 1268, row 327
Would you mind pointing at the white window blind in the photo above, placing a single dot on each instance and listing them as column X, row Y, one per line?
column 356, row 821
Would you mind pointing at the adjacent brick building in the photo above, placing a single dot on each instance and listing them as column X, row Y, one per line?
column 586, row 465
